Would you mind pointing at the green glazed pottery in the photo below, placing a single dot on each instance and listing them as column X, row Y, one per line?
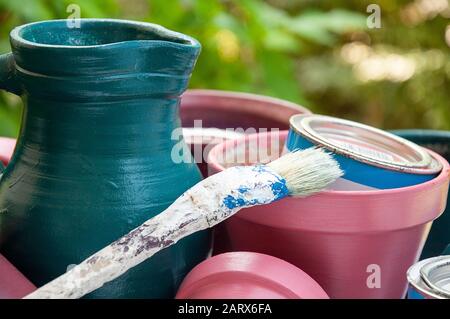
column 93, row 159
column 438, row 141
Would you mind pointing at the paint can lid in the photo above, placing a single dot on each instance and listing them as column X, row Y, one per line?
column 431, row 277
column 436, row 275
column 365, row 144
column 248, row 275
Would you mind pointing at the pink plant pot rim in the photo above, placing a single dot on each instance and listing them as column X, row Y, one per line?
column 249, row 102
column 250, row 270
column 413, row 205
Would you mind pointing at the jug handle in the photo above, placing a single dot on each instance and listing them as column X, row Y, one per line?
column 8, row 74
column 8, row 80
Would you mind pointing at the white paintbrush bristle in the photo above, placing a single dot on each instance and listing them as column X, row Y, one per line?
column 307, row 171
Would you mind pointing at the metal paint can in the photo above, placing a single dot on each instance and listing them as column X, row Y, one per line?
column 430, row 279
column 370, row 157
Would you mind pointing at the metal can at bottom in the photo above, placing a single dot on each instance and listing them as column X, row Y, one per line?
column 430, row 279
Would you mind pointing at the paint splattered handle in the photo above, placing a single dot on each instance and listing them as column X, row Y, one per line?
column 125, row 253
column 203, row 206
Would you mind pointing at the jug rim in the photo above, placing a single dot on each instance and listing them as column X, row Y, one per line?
column 170, row 37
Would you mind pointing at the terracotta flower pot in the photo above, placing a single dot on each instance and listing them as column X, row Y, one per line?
column 247, row 275
column 230, row 110
column 355, row 244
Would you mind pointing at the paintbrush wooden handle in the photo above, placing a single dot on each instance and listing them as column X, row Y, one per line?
column 204, row 205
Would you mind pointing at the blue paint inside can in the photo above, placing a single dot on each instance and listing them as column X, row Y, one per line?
column 414, row 294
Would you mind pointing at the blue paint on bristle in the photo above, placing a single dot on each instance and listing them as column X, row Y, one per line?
column 279, row 190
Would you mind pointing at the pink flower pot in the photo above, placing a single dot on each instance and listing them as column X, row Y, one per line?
column 355, row 244
column 231, row 110
column 247, row 275
column 7, row 146
column 13, row 284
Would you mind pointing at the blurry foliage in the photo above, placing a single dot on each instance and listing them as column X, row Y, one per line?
column 300, row 50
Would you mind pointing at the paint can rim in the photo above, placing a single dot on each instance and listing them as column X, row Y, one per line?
column 425, row 164
column 434, row 272
column 420, row 277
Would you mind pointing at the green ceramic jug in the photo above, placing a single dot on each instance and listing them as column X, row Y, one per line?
column 93, row 159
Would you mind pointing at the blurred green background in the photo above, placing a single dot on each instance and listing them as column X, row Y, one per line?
column 321, row 54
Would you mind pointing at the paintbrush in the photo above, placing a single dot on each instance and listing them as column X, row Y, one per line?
column 206, row 204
